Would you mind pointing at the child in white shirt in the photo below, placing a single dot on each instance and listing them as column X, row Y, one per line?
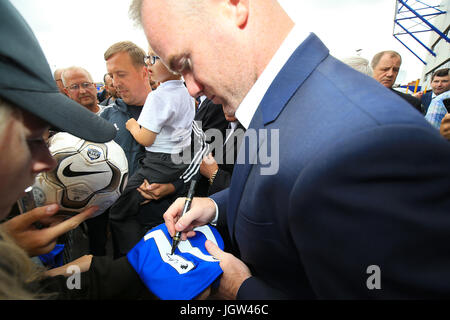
column 165, row 124
column 164, row 128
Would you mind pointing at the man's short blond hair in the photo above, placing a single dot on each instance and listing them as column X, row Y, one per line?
column 189, row 7
column 135, row 11
column 136, row 53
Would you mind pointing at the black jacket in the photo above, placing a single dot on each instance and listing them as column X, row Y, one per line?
column 118, row 114
column 412, row 101
column 106, row 279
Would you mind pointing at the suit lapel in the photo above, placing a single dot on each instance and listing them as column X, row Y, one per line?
column 297, row 69
column 241, row 171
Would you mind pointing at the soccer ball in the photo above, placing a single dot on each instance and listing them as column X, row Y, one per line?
column 87, row 173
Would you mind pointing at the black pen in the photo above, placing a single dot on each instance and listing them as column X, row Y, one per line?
column 187, row 205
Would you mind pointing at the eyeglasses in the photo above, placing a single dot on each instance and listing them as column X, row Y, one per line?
column 151, row 59
column 84, row 85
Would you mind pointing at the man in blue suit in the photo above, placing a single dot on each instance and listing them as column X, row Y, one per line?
column 355, row 201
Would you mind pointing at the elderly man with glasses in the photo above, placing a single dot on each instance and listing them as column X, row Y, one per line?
column 79, row 86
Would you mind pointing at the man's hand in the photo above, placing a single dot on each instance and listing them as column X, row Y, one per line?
column 418, row 95
column 202, row 212
column 235, row 272
column 40, row 241
column 445, row 127
column 155, row 191
column 208, row 166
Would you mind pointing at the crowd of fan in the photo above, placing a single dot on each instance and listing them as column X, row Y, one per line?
column 124, row 99
column 150, row 91
column 156, row 117
column 385, row 67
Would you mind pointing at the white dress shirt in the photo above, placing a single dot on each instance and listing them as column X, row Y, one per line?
column 231, row 128
column 248, row 106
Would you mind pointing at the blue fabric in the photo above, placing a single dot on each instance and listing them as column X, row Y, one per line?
column 426, row 99
column 54, row 258
column 182, row 276
column 362, row 180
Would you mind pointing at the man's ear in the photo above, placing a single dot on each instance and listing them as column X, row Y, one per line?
column 145, row 74
column 241, row 12
column 238, row 10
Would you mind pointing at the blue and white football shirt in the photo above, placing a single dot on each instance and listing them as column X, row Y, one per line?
column 183, row 275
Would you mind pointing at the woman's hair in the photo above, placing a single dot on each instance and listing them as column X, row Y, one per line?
column 17, row 271
column 6, row 111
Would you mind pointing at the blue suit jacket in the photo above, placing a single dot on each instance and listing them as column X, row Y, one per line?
column 363, row 180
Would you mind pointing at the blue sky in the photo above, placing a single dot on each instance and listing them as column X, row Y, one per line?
column 78, row 32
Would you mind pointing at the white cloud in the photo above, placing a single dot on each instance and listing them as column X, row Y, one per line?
column 79, row 32
column 348, row 25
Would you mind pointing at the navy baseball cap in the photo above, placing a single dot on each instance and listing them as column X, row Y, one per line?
column 26, row 82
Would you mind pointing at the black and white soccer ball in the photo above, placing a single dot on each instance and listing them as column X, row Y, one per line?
column 87, row 173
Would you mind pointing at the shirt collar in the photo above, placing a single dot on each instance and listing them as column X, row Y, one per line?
column 171, row 83
column 233, row 125
column 202, row 98
column 250, row 104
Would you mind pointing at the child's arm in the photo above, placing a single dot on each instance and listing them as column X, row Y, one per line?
column 143, row 136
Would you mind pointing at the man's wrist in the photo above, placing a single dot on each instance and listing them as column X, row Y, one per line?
column 216, row 216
